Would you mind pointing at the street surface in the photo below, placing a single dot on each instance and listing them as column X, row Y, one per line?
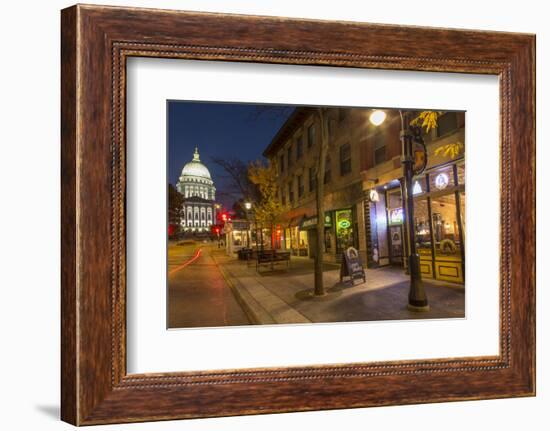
column 207, row 288
column 198, row 295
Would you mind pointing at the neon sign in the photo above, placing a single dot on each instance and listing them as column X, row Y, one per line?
column 344, row 224
column 442, row 181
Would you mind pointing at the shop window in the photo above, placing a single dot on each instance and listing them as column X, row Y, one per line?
column 303, row 243
column 344, row 230
column 311, row 136
column 445, row 227
column 312, row 179
column 422, row 228
column 379, row 148
column 300, row 186
column 345, row 159
column 447, row 123
column 328, row 171
column 299, row 148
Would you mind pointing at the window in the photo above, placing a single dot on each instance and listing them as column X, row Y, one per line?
column 299, row 148
column 312, row 179
column 328, row 171
column 311, row 136
column 289, row 156
column 345, row 159
column 290, row 193
column 447, row 123
column 282, row 163
column 300, row 186
column 379, row 148
column 445, row 226
column 283, row 198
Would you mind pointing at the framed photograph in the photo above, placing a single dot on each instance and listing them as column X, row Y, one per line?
column 268, row 215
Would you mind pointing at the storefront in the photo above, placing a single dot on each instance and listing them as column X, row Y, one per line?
column 340, row 233
column 308, row 232
column 439, row 223
column 295, row 239
column 237, row 236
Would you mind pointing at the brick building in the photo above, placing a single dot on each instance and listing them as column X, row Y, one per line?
column 363, row 190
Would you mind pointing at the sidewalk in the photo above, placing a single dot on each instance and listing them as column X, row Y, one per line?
column 285, row 295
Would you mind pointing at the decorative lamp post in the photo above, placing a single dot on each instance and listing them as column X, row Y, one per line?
column 413, row 159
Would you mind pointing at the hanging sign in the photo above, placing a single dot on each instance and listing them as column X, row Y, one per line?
column 418, row 151
column 351, row 265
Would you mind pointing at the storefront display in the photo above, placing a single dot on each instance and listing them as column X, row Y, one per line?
column 439, row 223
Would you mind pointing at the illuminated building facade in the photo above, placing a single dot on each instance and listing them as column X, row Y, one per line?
column 199, row 194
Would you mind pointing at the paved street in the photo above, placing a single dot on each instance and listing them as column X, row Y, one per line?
column 198, row 296
column 208, row 288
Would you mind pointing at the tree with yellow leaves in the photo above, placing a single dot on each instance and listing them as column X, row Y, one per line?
column 268, row 209
column 428, row 121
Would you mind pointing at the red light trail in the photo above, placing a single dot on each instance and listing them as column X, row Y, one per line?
column 187, row 262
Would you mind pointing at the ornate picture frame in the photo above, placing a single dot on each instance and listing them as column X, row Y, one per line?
column 96, row 41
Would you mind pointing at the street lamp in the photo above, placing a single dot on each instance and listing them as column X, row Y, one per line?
column 248, row 207
column 418, row 301
column 377, row 117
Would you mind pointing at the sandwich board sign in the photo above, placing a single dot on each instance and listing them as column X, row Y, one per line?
column 351, row 265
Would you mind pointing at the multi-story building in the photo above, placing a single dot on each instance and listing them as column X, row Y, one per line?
column 364, row 187
column 295, row 150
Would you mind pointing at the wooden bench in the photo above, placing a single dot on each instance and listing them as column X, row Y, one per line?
column 270, row 257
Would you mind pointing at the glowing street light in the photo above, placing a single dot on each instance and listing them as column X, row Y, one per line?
column 418, row 300
column 248, row 205
column 377, row 117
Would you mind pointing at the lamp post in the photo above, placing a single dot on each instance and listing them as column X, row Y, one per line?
column 410, row 137
column 248, row 207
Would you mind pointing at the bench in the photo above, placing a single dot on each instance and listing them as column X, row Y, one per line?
column 270, row 257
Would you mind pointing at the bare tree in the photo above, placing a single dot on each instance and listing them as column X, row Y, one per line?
column 237, row 173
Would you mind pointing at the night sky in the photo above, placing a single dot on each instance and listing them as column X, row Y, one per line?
column 222, row 130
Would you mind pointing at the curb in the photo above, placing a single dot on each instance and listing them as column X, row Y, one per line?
column 253, row 310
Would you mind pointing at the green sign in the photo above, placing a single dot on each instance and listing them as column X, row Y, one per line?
column 311, row 222
column 344, row 224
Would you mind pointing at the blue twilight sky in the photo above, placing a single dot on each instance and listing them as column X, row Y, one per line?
column 222, row 130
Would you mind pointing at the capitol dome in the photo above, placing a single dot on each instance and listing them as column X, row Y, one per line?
column 195, row 180
column 195, row 168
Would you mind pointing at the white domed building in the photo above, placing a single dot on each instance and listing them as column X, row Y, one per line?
column 199, row 194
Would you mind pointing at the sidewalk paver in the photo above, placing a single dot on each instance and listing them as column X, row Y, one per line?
column 285, row 295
